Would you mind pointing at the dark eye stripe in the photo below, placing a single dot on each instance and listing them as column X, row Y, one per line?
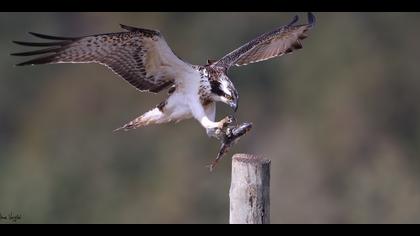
column 215, row 88
column 218, row 91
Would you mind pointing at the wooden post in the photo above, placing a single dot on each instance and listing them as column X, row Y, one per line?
column 250, row 190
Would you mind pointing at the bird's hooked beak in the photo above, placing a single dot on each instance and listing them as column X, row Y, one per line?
column 234, row 104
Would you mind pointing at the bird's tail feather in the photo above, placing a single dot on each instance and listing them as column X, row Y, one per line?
column 151, row 117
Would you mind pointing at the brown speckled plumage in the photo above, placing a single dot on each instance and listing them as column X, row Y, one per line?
column 125, row 53
column 281, row 41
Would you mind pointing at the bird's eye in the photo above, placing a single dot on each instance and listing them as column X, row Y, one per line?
column 227, row 96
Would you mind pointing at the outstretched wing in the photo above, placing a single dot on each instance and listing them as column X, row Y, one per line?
column 140, row 56
column 283, row 40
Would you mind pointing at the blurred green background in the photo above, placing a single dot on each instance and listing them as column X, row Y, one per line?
column 339, row 120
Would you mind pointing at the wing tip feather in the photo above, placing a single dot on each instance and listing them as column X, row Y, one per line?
column 44, row 36
column 52, row 47
column 311, row 19
column 33, row 44
column 294, row 20
column 38, row 61
column 36, row 52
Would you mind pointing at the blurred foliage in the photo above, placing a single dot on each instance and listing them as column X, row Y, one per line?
column 339, row 120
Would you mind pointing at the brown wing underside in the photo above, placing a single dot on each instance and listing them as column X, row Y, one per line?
column 137, row 55
column 281, row 41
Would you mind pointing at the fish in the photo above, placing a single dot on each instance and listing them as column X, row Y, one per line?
column 230, row 138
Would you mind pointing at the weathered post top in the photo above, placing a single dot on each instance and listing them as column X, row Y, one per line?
column 250, row 190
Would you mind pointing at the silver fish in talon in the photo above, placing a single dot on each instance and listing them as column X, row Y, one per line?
column 231, row 137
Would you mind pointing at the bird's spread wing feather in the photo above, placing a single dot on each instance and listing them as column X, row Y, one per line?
column 283, row 40
column 140, row 56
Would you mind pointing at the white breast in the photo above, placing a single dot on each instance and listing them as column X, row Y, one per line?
column 185, row 97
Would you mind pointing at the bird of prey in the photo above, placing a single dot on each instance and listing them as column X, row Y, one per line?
column 143, row 58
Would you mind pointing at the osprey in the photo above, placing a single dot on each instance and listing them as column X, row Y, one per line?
column 143, row 58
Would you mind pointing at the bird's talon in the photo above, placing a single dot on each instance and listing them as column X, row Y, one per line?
column 217, row 133
column 231, row 120
column 229, row 131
